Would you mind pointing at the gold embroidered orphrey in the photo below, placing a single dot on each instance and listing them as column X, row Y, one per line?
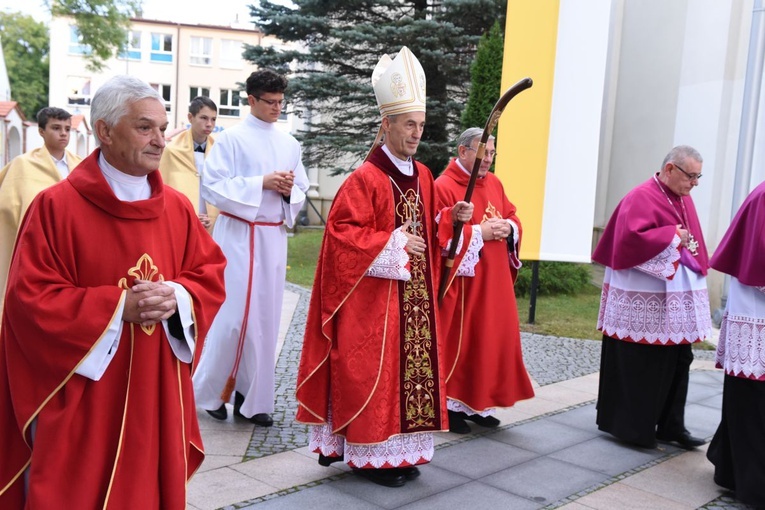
column 419, row 382
column 143, row 270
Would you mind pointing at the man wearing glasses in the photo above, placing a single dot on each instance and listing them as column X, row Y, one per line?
column 255, row 177
column 654, row 305
column 483, row 363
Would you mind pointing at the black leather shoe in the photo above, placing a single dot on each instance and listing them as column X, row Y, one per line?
column 457, row 423
column 684, row 439
column 262, row 419
column 238, row 401
column 220, row 413
column 410, row 473
column 326, row 461
column 484, row 421
column 384, row 477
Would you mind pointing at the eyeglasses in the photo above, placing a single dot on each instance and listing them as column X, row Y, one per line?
column 691, row 177
column 273, row 102
column 491, row 154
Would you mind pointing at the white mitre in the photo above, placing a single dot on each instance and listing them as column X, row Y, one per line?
column 399, row 84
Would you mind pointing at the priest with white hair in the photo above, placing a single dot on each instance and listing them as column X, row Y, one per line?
column 370, row 380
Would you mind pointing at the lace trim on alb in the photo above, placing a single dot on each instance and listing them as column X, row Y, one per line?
column 398, row 451
column 459, row 407
column 392, row 261
column 663, row 265
column 671, row 318
column 741, row 348
column 471, row 258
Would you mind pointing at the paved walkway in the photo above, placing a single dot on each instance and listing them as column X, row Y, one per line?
column 546, row 454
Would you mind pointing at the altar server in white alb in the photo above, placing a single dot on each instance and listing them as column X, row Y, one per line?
column 255, row 176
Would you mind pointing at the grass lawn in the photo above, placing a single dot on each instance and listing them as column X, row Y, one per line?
column 562, row 315
column 302, row 255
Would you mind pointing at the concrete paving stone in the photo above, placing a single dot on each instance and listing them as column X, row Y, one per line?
column 573, row 506
column 218, row 461
column 224, row 486
column 323, row 497
column 480, row 457
column 582, row 417
column 702, row 420
column 473, row 495
column 704, row 360
column 699, row 392
column 686, row 479
column 226, row 442
column 433, row 480
column 623, row 497
column 538, row 406
column 713, row 377
column 715, row 401
column 542, row 436
column 563, row 394
column 509, row 415
column 586, row 383
column 285, row 470
column 606, row 456
column 532, row 480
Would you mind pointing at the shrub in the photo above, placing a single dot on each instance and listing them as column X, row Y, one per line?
column 554, row 278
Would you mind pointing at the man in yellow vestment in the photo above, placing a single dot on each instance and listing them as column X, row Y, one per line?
column 28, row 174
column 183, row 161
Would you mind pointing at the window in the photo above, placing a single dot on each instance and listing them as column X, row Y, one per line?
column 161, row 47
column 231, row 54
column 229, row 103
column 198, row 91
column 200, row 52
column 78, row 90
column 76, row 46
column 164, row 91
column 132, row 49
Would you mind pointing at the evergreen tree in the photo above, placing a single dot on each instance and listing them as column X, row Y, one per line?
column 26, row 48
column 485, row 78
column 341, row 42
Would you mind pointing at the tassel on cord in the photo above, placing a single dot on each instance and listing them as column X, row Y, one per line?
column 228, row 389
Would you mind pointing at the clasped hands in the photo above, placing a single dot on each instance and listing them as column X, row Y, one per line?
column 415, row 245
column 280, row 181
column 495, row 229
column 149, row 302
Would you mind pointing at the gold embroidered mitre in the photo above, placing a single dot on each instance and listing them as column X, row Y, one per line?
column 399, row 84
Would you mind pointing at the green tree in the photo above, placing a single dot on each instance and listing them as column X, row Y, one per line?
column 485, row 78
column 340, row 42
column 25, row 47
column 103, row 25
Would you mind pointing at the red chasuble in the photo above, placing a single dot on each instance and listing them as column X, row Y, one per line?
column 130, row 440
column 372, row 350
column 479, row 316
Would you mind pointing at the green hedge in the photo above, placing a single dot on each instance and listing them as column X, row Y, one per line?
column 554, row 278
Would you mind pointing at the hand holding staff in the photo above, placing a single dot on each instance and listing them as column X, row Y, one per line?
column 491, row 123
